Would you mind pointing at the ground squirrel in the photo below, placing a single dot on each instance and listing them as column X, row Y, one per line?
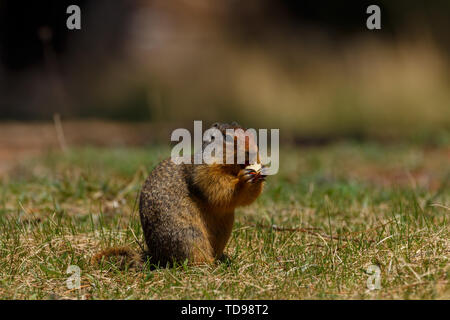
column 187, row 210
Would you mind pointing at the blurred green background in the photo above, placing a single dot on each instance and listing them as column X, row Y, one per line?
column 310, row 68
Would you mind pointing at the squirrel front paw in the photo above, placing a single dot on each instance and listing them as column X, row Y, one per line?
column 250, row 176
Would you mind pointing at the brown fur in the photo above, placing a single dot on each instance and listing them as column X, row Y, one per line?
column 187, row 210
column 124, row 256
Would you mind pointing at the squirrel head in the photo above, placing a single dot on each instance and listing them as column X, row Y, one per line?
column 220, row 182
column 241, row 141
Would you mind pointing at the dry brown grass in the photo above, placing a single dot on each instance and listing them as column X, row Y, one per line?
column 329, row 214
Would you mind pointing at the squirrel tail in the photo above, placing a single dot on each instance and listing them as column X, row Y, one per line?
column 122, row 257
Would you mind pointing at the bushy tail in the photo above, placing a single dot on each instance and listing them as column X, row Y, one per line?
column 122, row 257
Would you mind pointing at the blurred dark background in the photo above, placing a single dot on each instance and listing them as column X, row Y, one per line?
column 309, row 67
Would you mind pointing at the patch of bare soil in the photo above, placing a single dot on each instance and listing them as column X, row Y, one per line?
column 21, row 140
column 429, row 173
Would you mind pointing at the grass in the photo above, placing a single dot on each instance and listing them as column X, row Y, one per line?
column 329, row 214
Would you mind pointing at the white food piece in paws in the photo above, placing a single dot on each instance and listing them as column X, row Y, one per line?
column 255, row 167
